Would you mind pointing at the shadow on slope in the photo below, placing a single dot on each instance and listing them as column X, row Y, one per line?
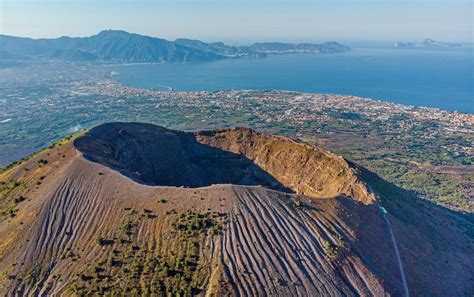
column 435, row 242
column 153, row 155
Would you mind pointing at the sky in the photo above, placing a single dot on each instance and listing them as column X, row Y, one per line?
column 245, row 21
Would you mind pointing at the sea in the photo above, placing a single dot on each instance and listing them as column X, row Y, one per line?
column 433, row 78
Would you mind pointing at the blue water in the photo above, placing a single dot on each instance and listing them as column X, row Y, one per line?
column 436, row 78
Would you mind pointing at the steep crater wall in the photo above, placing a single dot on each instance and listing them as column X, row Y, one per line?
column 301, row 167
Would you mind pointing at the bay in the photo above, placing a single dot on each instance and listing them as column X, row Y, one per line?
column 434, row 78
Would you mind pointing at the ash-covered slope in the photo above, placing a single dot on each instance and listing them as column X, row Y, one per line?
column 134, row 208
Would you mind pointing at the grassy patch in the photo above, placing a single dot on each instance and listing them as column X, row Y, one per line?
column 10, row 198
column 334, row 250
column 192, row 224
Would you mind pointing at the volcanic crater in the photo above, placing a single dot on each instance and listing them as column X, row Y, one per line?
column 157, row 156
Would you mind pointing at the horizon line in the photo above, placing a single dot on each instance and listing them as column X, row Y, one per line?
column 264, row 39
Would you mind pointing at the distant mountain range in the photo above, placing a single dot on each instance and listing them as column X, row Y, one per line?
column 427, row 43
column 122, row 46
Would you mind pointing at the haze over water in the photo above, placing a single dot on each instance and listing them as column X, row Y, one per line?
column 434, row 78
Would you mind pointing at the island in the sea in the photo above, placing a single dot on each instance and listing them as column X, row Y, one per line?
column 122, row 46
column 425, row 44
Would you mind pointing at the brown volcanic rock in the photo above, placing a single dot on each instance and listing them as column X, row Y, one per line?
column 305, row 169
column 134, row 208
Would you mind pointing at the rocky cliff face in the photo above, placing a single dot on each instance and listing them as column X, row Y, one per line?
column 304, row 169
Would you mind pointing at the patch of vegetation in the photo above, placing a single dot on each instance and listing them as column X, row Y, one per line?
column 53, row 145
column 12, row 212
column 127, row 227
column 148, row 214
column 42, row 161
column 333, row 251
column 133, row 267
column 330, row 250
column 10, row 197
column 441, row 188
column 69, row 254
column 32, row 274
column 192, row 224
column 103, row 241
column 19, row 199
column 295, row 203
